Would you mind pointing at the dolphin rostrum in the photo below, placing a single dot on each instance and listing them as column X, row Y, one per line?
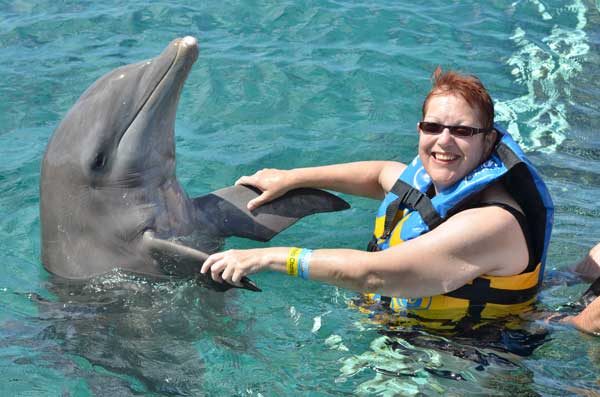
column 109, row 197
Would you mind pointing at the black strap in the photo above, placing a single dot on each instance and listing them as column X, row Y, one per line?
column 372, row 246
column 412, row 198
column 479, row 292
column 520, row 182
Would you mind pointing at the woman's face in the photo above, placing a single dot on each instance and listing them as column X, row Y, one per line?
column 447, row 158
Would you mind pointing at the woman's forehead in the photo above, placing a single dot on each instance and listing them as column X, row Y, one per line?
column 441, row 103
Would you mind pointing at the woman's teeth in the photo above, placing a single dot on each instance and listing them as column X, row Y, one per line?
column 445, row 156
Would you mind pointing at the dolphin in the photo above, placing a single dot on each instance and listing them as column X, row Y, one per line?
column 109, row 196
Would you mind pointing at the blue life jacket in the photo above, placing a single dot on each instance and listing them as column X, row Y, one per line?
column 407, row 212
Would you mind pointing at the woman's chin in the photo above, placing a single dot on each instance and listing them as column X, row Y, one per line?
column 443, row 182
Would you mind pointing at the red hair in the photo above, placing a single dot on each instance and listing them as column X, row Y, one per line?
column 469, row 87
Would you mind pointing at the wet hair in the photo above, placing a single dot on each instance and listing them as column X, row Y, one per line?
column 469, row 87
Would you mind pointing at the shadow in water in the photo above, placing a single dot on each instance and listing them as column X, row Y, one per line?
column 124, row 334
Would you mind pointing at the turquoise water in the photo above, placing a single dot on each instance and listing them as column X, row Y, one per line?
column 287, row 84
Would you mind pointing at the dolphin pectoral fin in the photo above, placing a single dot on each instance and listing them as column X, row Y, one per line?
column 226, row 209
column 179, row 260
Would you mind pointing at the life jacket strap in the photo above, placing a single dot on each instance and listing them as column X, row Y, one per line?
column 479, row 293
column 373, row 246
column 414, row 199
column 411, row 198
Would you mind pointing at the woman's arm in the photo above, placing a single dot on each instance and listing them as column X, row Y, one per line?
column 478, row 241
column 589, row 267
column 366, row 178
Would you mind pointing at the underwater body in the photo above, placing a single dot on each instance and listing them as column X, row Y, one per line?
column 289, row 85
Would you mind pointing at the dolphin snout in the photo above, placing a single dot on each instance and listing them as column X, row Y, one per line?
column 187, row 48
column 189, row 41
column 188, row 44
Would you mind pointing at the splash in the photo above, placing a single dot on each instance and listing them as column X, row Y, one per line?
column 545, row 69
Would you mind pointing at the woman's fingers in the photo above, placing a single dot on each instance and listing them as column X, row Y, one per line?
column 254, row 180
column 271, row 182
column 246, row 180
column 258, row 201
column 215, row 264
column 225, row 266
column 232, row 276
column 210, row 261
column 227, row 273
column 237, row 277
column 216, row 270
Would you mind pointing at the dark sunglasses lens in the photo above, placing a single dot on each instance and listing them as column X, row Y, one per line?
column 431, row 128
column 461, row 131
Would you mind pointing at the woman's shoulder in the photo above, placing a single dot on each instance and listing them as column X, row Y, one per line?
column 390, row 173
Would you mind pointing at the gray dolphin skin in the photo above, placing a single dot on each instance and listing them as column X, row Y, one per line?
column 109, row 196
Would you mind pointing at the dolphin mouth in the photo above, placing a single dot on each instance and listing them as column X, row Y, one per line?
column 179, row 56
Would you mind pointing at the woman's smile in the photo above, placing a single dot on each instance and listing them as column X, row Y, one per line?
column 448, row 158
column 445, row 158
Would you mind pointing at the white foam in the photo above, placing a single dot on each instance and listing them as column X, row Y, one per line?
column 545, row 72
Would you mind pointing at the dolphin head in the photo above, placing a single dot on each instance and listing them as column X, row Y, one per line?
column 110, row 164
column 123, row 125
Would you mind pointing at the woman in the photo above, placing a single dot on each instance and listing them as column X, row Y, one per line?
column 463, row 228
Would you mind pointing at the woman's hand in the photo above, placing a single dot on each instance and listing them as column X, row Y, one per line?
column 589, row 319
column 230, row 266
column 272, row 182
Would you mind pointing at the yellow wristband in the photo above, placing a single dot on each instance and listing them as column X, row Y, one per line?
column 292, row 261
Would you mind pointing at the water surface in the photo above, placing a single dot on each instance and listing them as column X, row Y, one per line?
column 287, row 84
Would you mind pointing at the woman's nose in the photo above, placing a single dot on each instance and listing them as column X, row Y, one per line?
column 445, row 136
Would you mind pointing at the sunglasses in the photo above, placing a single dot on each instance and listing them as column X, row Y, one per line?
column 456, row 130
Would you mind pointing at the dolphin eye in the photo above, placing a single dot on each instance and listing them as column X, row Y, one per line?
column 99, row 162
